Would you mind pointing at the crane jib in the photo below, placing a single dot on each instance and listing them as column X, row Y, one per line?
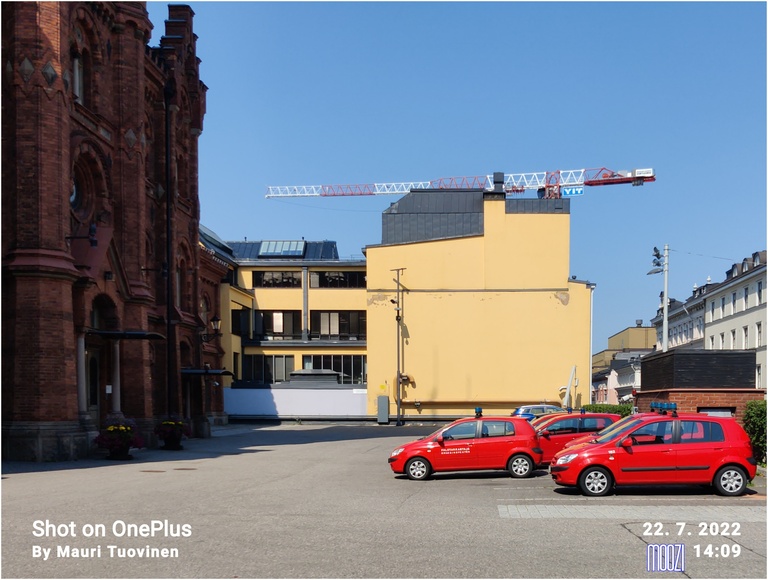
column 561, row 183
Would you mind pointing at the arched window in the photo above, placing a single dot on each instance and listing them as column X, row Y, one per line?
column 81, row 77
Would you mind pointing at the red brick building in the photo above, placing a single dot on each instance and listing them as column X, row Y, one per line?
column 97, row 128
column 718, row 382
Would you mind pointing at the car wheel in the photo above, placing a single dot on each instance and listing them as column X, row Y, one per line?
column 595, row 481
column 731, row 480
column 520, row 466
column 418, row 468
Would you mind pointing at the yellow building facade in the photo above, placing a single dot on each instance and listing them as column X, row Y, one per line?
column 486, row 314
column 293, row 306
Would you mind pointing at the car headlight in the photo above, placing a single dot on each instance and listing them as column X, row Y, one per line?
column 397, row 452
column 566, row 458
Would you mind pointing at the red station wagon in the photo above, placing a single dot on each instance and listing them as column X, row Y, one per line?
column 471, row 444
column 661, row 449
column 556, row 431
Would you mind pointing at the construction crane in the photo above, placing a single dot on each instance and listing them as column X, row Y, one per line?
column 547, row 184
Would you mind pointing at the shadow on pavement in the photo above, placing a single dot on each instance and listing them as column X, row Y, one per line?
column 235, row 439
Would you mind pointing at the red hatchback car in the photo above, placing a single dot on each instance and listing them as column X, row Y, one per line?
column 661, row 449
column 471, row 444
column 556, row 431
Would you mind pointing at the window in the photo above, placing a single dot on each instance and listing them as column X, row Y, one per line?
column 759, row 292
column 758, row 335
column 653, row 433
column 564, row 426
column 337, row 279
column 282, row 249
column 733, row 303
column 79, row 82
column 700, row 432
column 745, row 331
column 277, row 279
column 733, row 339
column 746, row 297
column 267, row 369
column 342, row 325
column 712, row 310
column 81, row 68
column 352, row 368
column 277, row 325
column 722, row 341
column 498, row 429
column 461, row 431
column 240, row 320
column 759, row 377
column 591, row 424
column 711, row 343
column 722, row 307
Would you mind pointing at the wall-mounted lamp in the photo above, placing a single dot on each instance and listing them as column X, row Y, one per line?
column 91, row 237
column 216, row 325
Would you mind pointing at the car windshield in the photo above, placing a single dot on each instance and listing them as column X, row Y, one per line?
column 612, row 427
column 439, row 430
column 618, row 428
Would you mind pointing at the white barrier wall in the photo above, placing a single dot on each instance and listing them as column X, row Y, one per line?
column 295, row 402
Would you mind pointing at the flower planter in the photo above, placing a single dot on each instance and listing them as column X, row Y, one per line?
column 172, row 441
column 120, row 454
column 171, row 431
column 119, row 435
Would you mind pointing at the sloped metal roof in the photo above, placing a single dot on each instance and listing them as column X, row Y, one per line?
column 284, row 250
column 434, row 215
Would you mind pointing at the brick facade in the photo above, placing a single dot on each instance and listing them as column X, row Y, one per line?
column 693, row 400
column 84, row 184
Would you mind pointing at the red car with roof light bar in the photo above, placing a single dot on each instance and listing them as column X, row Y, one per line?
column 617, row 425
column 470, row 444
column 556, row 431
column 661, row 449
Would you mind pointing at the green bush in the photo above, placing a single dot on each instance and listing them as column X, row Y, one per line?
column 754, row 425
column 622, row 410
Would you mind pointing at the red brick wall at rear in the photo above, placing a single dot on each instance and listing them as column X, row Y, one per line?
column 691, row 400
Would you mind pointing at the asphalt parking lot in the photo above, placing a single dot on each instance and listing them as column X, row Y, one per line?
column 320, row 501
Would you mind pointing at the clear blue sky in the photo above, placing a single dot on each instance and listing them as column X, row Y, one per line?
column 358, row 92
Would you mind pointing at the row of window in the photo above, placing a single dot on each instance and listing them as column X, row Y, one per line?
column 287, row 324
column 292, row 279
column 270, row 369
column 731, row 339
column 745, row 302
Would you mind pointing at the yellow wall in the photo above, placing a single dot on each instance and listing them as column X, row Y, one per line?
column 491, row 320
column 327, row 299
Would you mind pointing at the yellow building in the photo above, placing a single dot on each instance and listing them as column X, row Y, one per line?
column 486, row 314
column 296, row 320
column 637, row 338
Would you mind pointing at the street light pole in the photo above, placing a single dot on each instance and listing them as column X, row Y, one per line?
column 398, row 321
column 662, row 265
column 665, row 310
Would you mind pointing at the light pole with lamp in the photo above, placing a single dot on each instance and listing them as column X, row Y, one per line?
column 398, row 319
column 661, row 264
column 216, row 325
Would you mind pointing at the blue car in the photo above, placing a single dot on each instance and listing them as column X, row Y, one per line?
column 530, row 412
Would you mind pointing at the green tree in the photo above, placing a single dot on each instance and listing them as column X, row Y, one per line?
column 754, row 425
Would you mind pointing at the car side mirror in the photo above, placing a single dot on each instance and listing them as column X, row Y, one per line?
column 626, row 442
column 544, row 433
column 439, row 438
